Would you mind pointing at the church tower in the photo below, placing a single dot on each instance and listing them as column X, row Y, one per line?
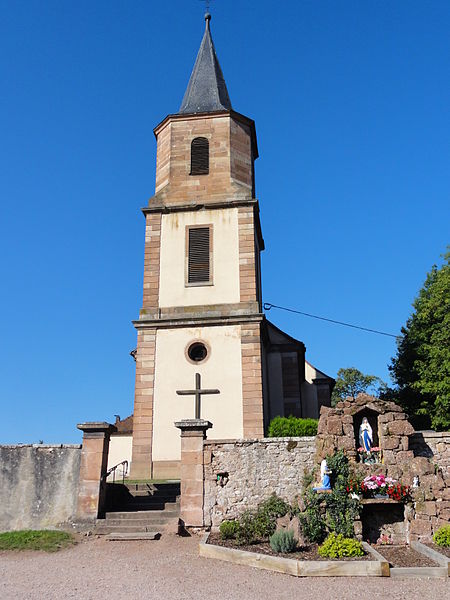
column 201, row 311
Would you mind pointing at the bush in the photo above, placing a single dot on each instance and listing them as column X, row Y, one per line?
column 246, row 533
column 339, row 507
column 292, row 427
column 283, row 541
column 336, row 546
column 256, row 525
column 312, row 522
column 267, row 515
column 229, row 530
column 442, row 536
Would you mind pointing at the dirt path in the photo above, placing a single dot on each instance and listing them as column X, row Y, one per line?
column 171, row 569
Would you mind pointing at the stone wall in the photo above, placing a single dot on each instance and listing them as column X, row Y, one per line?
column 240, row 474
column 38, row 485
column 434, row 445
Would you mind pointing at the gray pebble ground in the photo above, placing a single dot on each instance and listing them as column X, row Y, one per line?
column 170, row 568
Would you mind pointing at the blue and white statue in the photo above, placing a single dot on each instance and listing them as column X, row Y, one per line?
column 324, row 477
column 365, row 435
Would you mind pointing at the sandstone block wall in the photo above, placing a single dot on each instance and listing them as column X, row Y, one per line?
column 38, row 485
column 434, row 445
column 240, row 474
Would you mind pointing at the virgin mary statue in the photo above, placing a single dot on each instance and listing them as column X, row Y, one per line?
column 365, row 435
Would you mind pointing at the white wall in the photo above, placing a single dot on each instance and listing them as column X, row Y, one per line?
column 222, row 370
column 119, row 450
column 225, row 288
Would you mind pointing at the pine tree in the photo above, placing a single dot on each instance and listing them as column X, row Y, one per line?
column 421, row 368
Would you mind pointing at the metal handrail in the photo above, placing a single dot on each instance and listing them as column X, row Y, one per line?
column 113, row 470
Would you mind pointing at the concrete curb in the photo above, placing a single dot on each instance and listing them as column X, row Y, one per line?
column 439, row 558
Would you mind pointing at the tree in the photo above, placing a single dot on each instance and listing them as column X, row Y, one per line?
column 351, row 382
column 421, row 368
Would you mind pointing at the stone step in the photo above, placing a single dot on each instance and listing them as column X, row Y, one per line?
column 143, row 507
column 154, row 487
column 139, row 515
column 124, row 537
column 137, row 522
column 133, row 508
column 152, row 500
column 105, row 529
column 150, row 494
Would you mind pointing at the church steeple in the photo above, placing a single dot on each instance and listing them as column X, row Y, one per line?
column 206, row 90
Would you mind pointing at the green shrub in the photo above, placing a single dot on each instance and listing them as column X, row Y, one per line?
column 283, row 541
column 311, row 519
column 229, row 530
column 337, row 546
column 292, row 427
column 267, row 514
column 335, row 511
column 247, row 531
column 340, row 470
column 341, row 511
column 442, row 536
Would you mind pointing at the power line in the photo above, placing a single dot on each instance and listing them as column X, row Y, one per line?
column 268, row 306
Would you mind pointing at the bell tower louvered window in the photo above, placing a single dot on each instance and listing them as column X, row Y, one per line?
column 199, row 255
column 200, row 156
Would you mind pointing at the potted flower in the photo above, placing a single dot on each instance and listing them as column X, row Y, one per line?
column 376, row 486
column 399, row 492
column 370, row 457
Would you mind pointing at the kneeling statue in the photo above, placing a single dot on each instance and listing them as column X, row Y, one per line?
column 324, row 477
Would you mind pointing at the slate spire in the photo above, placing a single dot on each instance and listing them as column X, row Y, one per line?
column 206, row 90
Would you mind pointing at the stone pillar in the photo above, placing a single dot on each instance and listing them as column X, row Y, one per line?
column 141, row 460
column 193, row 432
column 94, row 461
column 252, row 393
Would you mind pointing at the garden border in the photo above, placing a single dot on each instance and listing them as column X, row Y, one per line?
column 441, row 559
column 379, row 567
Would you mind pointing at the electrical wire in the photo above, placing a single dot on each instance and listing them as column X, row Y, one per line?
column 269, row 305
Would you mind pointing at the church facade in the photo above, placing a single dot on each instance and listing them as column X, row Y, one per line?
column 201, row 323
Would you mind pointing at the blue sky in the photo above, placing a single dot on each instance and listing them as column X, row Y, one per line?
column 351, row 102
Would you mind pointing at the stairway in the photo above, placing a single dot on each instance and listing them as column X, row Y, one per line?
column 140, row 510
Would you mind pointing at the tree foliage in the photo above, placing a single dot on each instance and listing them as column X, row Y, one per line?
column 421, row 368
column 351, row 382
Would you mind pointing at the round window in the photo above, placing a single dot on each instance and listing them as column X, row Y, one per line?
column 197, row 352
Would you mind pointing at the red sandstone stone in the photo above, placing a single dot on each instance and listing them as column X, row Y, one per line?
column 334, row 426
column 421, row 527
column 400, row 428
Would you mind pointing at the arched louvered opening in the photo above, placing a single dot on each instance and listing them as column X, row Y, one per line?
column 199, row 156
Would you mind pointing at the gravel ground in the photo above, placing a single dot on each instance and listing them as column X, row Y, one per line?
column 170, row 568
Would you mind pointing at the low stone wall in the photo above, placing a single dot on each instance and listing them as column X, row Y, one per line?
column 434, row 445
column 240, row 474
column 38, row 485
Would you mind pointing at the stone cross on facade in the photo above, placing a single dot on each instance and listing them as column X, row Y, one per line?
column 198, row 392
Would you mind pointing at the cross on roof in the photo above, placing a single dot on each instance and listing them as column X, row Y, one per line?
column 207, row 3
column 198, row 392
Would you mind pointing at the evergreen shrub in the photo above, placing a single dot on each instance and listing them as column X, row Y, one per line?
column 339, row 507
column 267, row 514
column 229, row 530
column 337, row 546
column 283, row 541
column 247, row 533
column 292, row 427
column 442, row 536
